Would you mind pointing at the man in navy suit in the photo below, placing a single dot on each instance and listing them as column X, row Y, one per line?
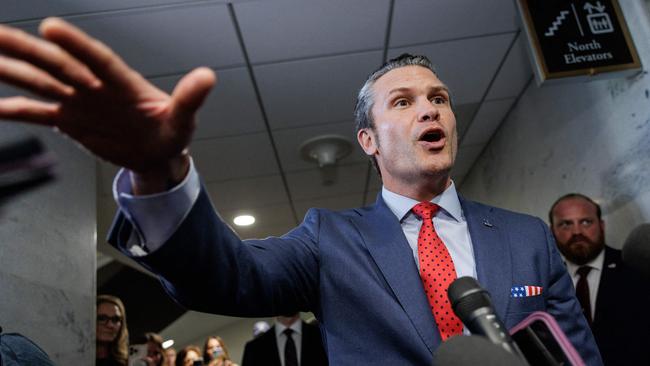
column 358, row 270
column 272, row 347
column 611, row 294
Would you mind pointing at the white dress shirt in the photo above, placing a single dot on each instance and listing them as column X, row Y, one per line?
column 593, row 278
column 281, row 338
column 449, row 222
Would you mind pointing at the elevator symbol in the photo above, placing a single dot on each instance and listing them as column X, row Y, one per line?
column 599, row 21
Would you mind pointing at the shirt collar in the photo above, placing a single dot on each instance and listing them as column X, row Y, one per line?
column 296, row 326
column 402, row 205
column 596, row 263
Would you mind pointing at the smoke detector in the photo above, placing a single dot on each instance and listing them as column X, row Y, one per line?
column 325, row 151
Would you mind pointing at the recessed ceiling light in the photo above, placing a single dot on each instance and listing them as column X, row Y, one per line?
column 244, row 220
column 168, row 343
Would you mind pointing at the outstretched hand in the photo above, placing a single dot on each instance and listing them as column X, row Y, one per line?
column 88, row 93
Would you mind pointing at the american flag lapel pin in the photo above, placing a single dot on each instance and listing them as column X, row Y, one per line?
column 525, row 291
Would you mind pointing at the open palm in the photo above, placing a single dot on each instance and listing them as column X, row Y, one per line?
column 88, row 93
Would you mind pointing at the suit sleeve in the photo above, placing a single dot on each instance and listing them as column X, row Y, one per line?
column 563, row 305
column 206, row 267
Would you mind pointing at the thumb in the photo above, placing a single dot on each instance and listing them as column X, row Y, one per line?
column 191, row 91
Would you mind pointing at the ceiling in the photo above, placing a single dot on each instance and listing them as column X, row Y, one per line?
column 289, row 70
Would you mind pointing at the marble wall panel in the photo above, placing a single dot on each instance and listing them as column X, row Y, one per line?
column 592, row 138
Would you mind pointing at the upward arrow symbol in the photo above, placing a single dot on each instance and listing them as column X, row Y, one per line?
column 590, row 8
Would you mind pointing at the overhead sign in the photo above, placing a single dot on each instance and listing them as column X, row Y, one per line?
column 578, row 38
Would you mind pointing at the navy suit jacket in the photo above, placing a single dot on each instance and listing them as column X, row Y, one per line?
column 263, row 350
column 355, row 271
column 622, row 320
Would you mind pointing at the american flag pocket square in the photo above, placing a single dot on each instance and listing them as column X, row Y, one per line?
column 525, row 291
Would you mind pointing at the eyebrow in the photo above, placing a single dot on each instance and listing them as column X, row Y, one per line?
column 434, row 89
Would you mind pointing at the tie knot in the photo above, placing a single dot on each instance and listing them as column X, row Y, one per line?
column 288, row 332
column 584, row 271
column 425, row 210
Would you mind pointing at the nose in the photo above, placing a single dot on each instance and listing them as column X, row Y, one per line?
column 427, row 111
column 576, row 229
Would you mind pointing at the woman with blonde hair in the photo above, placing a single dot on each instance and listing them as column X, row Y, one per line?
column 215, row 352
column 112, row 336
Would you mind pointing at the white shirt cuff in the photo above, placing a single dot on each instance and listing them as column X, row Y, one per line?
column 155, row 217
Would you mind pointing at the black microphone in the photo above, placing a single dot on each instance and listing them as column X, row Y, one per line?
column 473, row 350
column 473, row 306
column 636, row 250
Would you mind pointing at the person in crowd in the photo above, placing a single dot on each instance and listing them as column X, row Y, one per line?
column 215, row 352
column 609, row 291
column 155, row 354
column 188, row 355
column 290, row 342
column 170, row 356
column 260, row 328
column 366, row 273
column 112, row 335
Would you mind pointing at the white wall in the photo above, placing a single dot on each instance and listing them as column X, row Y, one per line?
column 592, row 138
column 47, row 255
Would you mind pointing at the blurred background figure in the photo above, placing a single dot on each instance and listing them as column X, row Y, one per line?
column 188, row 355
column 170, row 356
column 112, row 336
column 215, row 352
column 260, row 328
column 290, row 342
column 155, row 353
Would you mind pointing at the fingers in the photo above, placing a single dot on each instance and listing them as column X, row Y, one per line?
column 28, row 110
column 191, row 91
column 101, row 60
column 26, row 76
column 46, row 56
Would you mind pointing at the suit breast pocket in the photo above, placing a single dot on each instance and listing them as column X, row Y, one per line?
column 520, row 307
column 526, row 304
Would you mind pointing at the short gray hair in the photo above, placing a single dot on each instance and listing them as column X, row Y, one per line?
column 362, row 115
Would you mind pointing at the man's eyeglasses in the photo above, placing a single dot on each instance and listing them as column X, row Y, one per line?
column 101, row 318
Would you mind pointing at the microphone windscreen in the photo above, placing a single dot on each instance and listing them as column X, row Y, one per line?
column 473, row 350
column 636, row 249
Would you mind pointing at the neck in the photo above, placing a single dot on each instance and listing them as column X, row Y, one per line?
column 422, row 192
column 102, row 350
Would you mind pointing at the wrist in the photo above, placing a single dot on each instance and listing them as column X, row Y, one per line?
column 161, row 178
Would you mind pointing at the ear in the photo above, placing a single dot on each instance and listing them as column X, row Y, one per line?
column 368, row 141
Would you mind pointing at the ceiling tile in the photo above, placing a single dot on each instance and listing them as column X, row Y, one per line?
column 285, row 29
column 168, row 40
column 288, row 142
column 453, row 60
column 423, row 21
column 267, row 219
column 313, row 91
column 308, row 184
column 487, row 120
column 514, row 74
column 465, row 159
column 235, row 157
column 17, row 10
column 340, row 202
column 230, row 109
column 247, row 193
column 464, row 114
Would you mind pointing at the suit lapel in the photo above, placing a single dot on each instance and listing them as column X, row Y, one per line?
column 271, row 345
column 491, row 253
column 385, row 240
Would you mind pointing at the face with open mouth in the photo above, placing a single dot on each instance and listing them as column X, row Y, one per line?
column 414, row 136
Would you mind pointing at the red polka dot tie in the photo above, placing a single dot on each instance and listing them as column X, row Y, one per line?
column 437, row 272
